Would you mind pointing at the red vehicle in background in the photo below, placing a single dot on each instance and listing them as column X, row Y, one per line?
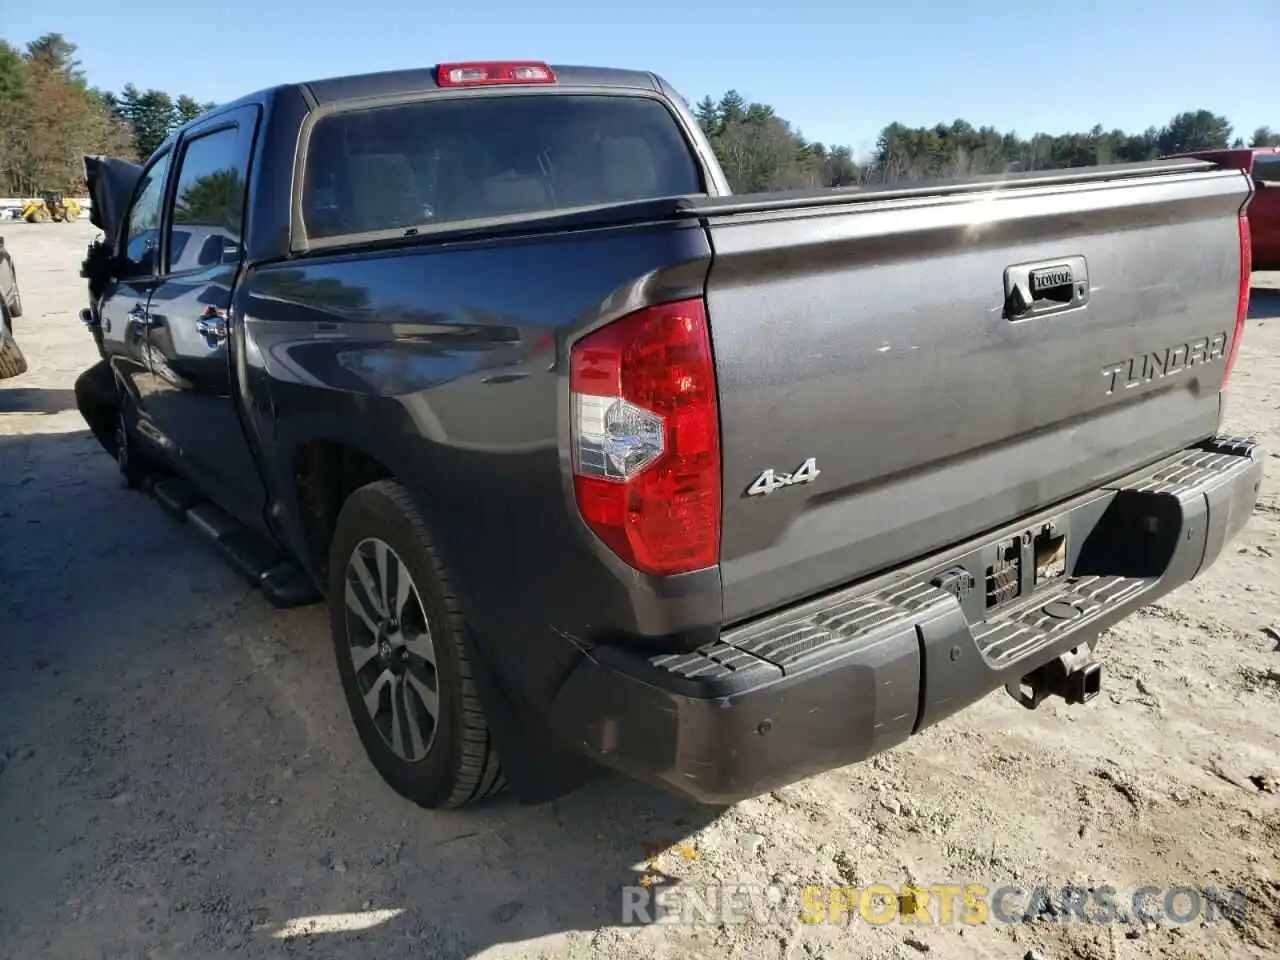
column 1263, row 165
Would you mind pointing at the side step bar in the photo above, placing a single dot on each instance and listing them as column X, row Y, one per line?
column 282, row 582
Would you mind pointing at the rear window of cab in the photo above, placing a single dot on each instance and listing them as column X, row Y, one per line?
column 416, row 165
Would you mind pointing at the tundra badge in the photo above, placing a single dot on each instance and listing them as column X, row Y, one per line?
column 772, row 480
column 1157, row 364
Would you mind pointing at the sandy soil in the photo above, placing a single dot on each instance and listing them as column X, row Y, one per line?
column 178, row 776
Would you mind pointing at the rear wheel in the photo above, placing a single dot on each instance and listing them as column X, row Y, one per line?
column 12, row 362
column 398, row 635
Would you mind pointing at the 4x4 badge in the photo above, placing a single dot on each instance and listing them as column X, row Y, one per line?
column 772, row 480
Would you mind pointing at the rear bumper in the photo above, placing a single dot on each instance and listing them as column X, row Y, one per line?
column 850, row 674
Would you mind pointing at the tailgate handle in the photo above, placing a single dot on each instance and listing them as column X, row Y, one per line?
column 1045, row 287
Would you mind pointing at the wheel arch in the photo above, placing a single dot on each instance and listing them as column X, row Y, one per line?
column 97, row 398
column 324, row 472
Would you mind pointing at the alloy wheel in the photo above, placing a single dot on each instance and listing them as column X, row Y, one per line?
column 392, row 653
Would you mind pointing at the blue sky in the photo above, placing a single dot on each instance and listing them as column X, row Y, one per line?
column 840, row 71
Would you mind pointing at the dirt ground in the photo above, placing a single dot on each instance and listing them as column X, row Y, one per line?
column 178, row 776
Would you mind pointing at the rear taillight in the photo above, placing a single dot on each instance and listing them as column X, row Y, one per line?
column 646, row 438
column 1242, row 298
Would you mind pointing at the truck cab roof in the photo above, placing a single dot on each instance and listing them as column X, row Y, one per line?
column 392, row 84
column 396, row 83
column 1238, row 158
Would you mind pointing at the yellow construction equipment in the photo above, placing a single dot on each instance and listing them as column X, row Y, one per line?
column 35, row 211
column 51, row 206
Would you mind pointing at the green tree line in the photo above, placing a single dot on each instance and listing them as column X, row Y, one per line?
column 759, row 150
column 50, row 116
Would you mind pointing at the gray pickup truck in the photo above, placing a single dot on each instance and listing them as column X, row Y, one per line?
column 596, row 465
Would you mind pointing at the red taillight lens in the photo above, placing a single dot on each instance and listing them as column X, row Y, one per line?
column 488, row 74
column 1242, row 300
column 646, row 438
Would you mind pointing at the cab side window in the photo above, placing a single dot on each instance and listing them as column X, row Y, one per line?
column 208, row 205
column 141, row 247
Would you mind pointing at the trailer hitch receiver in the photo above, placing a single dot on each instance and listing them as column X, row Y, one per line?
column 1075, row 676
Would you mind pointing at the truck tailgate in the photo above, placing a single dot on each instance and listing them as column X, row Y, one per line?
column 954, row 360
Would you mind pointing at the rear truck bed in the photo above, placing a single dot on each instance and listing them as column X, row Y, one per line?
column 885, row 342
column 962, row 433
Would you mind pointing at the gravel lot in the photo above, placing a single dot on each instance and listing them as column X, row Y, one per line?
column 178, row 776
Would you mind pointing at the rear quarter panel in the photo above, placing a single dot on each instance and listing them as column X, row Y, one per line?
column 446, row 363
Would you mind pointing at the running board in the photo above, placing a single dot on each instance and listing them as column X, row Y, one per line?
column 259, row 562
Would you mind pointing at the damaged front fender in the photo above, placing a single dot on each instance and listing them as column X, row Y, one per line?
column 111, row 183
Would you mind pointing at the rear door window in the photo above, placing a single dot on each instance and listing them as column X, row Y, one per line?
column 418, row 164
column 142, row 223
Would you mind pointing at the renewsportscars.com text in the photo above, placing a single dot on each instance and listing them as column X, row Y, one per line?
column 926, row 904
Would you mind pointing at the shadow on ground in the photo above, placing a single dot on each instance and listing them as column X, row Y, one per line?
column 178, row 774
column 1264, row 303
column 36, row 400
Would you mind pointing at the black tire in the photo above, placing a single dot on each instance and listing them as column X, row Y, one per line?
column 14, row 306
column 12, row 362
column 460, row 765
column 97, row 399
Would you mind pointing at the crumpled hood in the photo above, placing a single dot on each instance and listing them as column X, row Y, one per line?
column 111, row 182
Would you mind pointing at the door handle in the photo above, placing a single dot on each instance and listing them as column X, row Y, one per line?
column 212, row 324
column 1045, row 287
